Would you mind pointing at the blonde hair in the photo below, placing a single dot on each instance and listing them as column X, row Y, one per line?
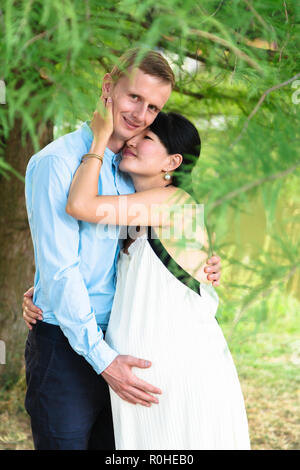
column 152, row 63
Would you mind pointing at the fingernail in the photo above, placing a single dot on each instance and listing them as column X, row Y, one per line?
column 109, row 99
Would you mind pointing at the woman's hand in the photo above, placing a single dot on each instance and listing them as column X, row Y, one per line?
column 83, row 193
column 102, row 123
column 31, row 313
column 214, row 270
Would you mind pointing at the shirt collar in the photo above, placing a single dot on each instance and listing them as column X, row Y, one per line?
column 116, row 159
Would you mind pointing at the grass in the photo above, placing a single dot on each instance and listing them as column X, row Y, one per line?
column 15, row 432
column 268, row 367
column 272, row 395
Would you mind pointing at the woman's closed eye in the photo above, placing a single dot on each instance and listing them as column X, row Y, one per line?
column 148, row 137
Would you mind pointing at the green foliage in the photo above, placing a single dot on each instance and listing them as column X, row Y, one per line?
column 237, row 88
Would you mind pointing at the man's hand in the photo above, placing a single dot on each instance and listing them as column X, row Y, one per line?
column 118, row 374
column 128, row 386
column 214, row 270
column 31, row 313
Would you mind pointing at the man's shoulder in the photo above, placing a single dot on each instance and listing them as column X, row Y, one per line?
column 66, row 149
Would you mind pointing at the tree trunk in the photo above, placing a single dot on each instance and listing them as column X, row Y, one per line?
column 16, row 257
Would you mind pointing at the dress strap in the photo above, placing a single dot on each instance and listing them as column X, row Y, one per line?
column 170, row 263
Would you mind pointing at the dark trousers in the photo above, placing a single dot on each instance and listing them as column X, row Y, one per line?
column 68, row 402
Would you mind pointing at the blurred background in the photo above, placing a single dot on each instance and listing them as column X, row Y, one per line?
column 238, row 79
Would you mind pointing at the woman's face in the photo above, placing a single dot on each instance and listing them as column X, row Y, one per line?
column 144, row 155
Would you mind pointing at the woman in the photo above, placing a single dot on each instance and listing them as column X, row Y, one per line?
column 159, row 302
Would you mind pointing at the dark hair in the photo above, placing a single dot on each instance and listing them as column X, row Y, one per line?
column 178, row 135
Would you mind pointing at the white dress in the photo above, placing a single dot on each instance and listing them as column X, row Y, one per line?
column 157, row 317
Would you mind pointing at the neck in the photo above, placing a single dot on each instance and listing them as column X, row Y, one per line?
column 142, row 183
column 115, row 143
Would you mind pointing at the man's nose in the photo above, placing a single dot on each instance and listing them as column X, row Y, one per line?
column 139, row 112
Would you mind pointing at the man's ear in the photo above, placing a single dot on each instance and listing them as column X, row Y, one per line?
column 107, row 85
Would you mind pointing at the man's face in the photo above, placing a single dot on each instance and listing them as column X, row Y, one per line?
column 137, row 99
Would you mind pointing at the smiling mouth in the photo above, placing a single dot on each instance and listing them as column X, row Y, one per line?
column 130, row 124
column 128, row 153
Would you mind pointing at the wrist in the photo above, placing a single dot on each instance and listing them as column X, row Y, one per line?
column 98, row 147
column 102, row 136
column 98, row 150
column 106, row 370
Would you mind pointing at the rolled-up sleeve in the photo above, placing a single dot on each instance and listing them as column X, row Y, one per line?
column 56, row 240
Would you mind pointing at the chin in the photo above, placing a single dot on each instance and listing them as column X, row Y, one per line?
column 125, row 165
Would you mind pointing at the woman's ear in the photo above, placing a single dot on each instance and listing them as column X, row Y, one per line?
column 107, row 85
column 175, row 161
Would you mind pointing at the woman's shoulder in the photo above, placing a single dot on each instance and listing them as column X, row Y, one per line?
column 177, row 200
column 185, row 237
column 183, row 204
column 179, row 193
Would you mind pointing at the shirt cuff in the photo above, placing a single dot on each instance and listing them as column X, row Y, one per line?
column 101, row 356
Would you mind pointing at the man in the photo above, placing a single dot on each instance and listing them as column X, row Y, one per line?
column 68, row 363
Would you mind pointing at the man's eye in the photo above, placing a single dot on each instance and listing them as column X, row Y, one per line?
column 134, row 97
column 153, row 108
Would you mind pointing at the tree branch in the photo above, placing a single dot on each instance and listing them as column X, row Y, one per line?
column 286, row 12
column 253, row 184
column 264, row 293
column 242, row 55
column 199, row 96
column 255, row 13
column 261, row 100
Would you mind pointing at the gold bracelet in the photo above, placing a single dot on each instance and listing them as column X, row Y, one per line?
column 92, row 155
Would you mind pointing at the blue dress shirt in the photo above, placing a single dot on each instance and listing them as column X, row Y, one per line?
column 75, row 261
